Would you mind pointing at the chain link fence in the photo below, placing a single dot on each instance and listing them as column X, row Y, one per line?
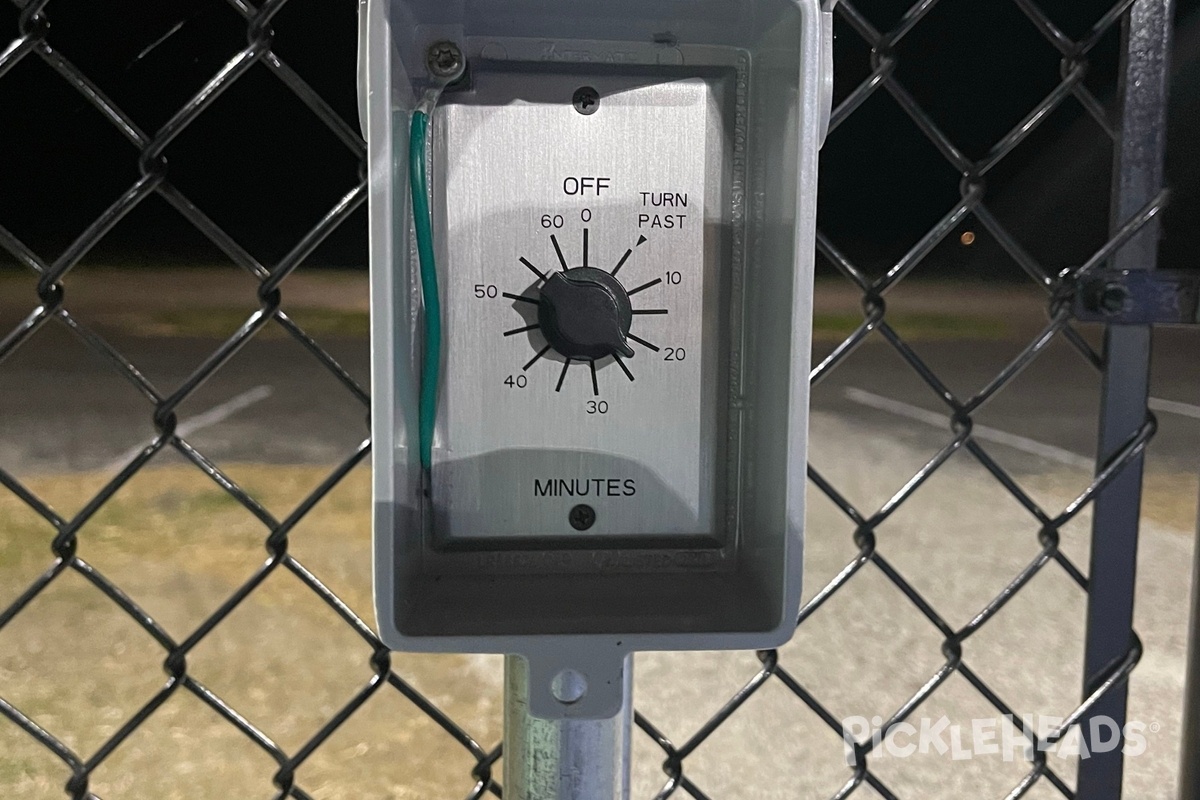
column 50, row 304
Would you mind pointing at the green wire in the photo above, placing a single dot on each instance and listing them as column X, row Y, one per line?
column 419, row 181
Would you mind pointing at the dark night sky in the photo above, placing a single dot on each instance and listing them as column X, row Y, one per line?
column 262, row 167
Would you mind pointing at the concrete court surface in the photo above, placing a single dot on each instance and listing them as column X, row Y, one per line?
column 865, row 652
column 959, row 541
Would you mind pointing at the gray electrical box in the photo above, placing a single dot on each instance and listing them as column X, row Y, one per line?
column 592, row 235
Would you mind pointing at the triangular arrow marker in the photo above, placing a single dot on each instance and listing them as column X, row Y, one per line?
column 641, row 241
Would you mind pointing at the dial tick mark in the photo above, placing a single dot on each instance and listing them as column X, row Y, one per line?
column 533, row 269
column 641, row 241
column 558, row 249
column 643, row 287
column 624, row 368
column 537, row 358
column 526, row 329
column 643, row 342
column 621, row 263
column 520, row 298
column 563, row 376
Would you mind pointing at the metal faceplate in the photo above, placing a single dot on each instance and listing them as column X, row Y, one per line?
column 539, row 179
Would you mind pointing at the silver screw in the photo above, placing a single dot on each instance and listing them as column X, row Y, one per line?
column 445, row 61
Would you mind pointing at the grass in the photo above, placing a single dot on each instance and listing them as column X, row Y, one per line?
column 914, row 326
column 195, row 301
column 218, row 323
column 179, row 546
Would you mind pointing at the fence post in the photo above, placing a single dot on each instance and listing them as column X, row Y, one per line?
column 1189, row 774
column 1137, row 179
column 563, row 759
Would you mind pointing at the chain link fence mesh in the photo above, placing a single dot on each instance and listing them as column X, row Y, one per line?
column 50, row 305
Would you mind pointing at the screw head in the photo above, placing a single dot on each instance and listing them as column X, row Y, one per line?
column 586, row 100
column 445, row 60
column 582, row 517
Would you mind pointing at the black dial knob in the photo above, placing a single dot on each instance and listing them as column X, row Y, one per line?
column 585, row 314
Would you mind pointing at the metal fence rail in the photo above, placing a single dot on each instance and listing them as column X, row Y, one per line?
column 1113, row 649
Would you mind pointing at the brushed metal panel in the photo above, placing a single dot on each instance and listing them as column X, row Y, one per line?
column 515, row 450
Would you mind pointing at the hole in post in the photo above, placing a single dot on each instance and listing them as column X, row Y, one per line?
column 569, row 687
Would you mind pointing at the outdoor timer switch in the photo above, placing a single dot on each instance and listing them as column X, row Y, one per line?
column 592, row 235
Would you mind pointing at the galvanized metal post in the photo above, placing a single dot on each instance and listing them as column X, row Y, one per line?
column 1138, row 179
column 565, row 759
column 1189, row 775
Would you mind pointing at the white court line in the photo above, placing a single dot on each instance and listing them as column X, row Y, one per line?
column 213, row 416
column 982, row 432
column 1172, row 407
